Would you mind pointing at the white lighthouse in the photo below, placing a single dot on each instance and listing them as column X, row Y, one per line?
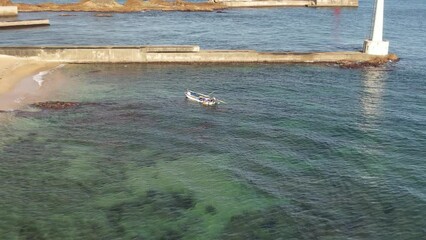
column 376, row 45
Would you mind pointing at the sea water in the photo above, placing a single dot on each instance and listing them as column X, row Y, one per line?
column 296, row 152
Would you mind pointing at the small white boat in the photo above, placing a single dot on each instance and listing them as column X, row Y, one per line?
column 204, row 99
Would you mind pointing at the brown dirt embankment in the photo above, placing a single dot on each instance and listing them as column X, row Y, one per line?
column 113, row 6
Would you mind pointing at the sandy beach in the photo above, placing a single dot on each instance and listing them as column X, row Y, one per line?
column 13, row 71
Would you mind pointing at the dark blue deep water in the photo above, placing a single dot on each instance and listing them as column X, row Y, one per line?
column 297, row 151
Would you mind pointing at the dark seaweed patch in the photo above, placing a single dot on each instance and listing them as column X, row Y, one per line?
column 157, row 215
column 210, row 209
column 273, row 223
column 30, row 232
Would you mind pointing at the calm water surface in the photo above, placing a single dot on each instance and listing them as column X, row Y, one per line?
column 297, row 151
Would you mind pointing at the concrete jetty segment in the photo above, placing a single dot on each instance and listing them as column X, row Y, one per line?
column 336, row 3
column 24, row 23
column 8, row 11
column 286, row 3
column 264, row 3
column 178, row 54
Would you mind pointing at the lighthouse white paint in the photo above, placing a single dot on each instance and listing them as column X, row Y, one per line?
column 376, row 45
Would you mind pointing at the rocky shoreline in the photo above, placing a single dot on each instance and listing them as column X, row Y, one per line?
column 376, row 62
column 113, row 6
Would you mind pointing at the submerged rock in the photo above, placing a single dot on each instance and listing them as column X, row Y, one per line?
column 376, row 62
column 55, row 105
column 101, row 2
column 67, row 15
column 103, row 15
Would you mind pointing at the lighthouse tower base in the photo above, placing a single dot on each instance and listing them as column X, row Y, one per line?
column 376, row 47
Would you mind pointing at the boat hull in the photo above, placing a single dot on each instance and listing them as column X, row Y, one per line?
column 201, row 98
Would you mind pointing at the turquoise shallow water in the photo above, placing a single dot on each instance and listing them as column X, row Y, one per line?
column 297, row 151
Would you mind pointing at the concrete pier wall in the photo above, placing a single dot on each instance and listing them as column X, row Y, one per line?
column 25, row 23
column 336, row 3
column 8, row 11
column 264, row 3
column 287, row 3
column 176, row 54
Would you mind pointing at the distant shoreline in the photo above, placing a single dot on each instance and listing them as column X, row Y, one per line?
column 177, row 5
column 129, row 7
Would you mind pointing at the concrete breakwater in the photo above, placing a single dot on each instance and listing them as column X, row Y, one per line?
column 24, row 23
column 179, row 54
column 8, row 11
column 336, row 3
column 287, row 3
column 179, row 5
column 263, row 3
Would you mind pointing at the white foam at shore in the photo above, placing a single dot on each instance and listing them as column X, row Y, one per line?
column 39, row 78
